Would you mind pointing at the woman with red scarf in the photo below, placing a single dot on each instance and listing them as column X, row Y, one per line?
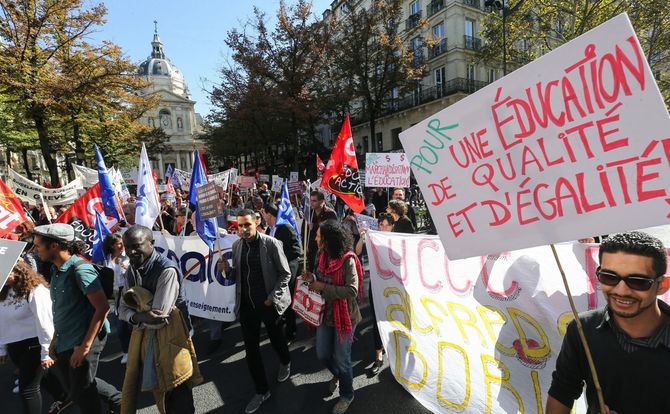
column 339, row 278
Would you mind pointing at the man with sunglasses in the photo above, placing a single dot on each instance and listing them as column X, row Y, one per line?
column 629, row 338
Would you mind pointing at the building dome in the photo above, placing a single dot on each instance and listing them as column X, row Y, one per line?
column 161, row 72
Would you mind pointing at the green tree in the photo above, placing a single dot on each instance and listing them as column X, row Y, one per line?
column 539, row 26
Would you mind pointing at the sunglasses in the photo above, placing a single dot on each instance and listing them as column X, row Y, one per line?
column 635, row 282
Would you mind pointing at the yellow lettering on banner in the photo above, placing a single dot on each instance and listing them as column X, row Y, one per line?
column 469, row 321
column 406, row 309
column 500, row 319
column 434, row 319
column 538, row 391
column 411, row 349
column 503, row 380
column 544, row 348
column 466, row 400
column 563, row 321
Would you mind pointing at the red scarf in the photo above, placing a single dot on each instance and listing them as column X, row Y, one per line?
column 333, row 268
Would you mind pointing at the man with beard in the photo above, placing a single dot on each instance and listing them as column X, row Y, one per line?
column 629, row 338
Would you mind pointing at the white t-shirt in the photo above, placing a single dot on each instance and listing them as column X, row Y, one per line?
column 27, row 318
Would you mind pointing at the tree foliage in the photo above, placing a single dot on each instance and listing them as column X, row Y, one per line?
column 539, row 26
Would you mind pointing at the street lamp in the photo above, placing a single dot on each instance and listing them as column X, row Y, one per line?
column 501, row 5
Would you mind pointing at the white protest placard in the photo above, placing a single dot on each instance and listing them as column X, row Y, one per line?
column 293, row 176
column 221, row 179
column 574, row 144
column 478, row 335
column 88, row 176
column 264, row 178
column 277, row 183
column 33, row 193
column 245, row 181
column 130, row 176
column 208, row 294
column 10, row 251
column 386, row 170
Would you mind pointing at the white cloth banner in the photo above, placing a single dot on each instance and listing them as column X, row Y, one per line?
column 571, row 145
column 88, row 176
column 453, row 329
column 30, row 191
column 386, row 170
column 208, row 295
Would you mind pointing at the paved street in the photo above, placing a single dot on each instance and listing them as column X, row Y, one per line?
column 228, row 387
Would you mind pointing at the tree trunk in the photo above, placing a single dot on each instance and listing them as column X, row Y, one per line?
column 24, row 153
column 43, row 134
column 8, row 155
column 78, row 145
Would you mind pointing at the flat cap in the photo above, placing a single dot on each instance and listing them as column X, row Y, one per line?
column 57, row 231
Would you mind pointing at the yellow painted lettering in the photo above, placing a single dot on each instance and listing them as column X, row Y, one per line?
column 502, row 379
column 410, row 351
column 466, row 363
column 469, row 319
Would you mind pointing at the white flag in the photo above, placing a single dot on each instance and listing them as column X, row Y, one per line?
column 146, row 207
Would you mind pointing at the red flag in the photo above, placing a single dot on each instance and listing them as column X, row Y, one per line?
column 341, row 174
column 11, row 210
column 84, row 208
column 320, row 166
column 169, row 187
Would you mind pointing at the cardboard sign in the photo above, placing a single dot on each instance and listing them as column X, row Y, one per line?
column 246, row 182
column 574, row 144
column 210, row 202
column 130, row 176
column 386, row 170
column 221, row 179
column 293, row 176
column 277, row 183
column 296, row 187
column 366, row 222
column 10, row 251
column 264, row 178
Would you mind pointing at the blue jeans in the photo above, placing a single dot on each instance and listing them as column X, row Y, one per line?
column 336, row 356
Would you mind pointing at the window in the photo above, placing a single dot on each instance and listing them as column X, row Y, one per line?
column 365, row 144
column 470, row 27
column 438, row 31
column 395, row 136
column 414, row 7
column 439, row 76
column 416, row 43
column 344, row 10
column 152, row 122
column 470, row 72
column 492, row 75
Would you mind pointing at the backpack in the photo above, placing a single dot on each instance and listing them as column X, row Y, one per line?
column 105, row 276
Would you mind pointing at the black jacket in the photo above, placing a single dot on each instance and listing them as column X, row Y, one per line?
column 403, row 225
column 289, row 238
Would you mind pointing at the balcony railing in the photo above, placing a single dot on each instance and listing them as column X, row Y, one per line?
column 472, row 43
column 424, row 96
column 438, row 48
column 435, row 6
column 413, row 21
column 472, row 3
column 418, row 58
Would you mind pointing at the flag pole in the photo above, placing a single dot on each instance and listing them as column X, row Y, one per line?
column 306, row 220
column 582, row 337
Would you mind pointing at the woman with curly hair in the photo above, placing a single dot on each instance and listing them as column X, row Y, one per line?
column 339, row 278
column 26, row 329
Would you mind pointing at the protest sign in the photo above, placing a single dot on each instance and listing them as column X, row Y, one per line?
column 207, row 293
column 221, row 179
column 30, row 191
column 277, row 183
column 11, row 210
column 296, row 187
column 88, row 176
column 264, row 178
column 245, row 181
column 479, row 335
column 130, row 176
column 233, row 176
column 573, row 144
column 10, row 251
column 293, row 176
column 386, row 170
column 366, row 222
column 183, row 178
column 209, row 200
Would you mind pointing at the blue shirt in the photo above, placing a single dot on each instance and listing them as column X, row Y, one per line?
column 72, row 311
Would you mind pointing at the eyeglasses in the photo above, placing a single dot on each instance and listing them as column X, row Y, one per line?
column 635, row 282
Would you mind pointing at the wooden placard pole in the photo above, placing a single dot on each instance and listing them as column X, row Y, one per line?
column 582, row 337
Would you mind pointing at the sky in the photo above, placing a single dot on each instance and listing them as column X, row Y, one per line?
column 192, row 33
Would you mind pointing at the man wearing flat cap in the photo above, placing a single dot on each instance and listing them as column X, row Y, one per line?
column 80, row 310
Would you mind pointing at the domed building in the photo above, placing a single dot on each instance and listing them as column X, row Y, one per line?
column 176, row 112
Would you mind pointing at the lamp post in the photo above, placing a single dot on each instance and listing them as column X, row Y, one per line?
column 501, row 5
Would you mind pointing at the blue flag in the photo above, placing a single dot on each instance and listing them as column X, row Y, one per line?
column 285, row 211
column 107, row 192
column 99, row 233
column 168, row 172
column 206, row 229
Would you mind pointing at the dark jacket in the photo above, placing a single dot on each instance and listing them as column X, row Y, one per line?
column 327, row 213
column 290, row 241
column 403, row 225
